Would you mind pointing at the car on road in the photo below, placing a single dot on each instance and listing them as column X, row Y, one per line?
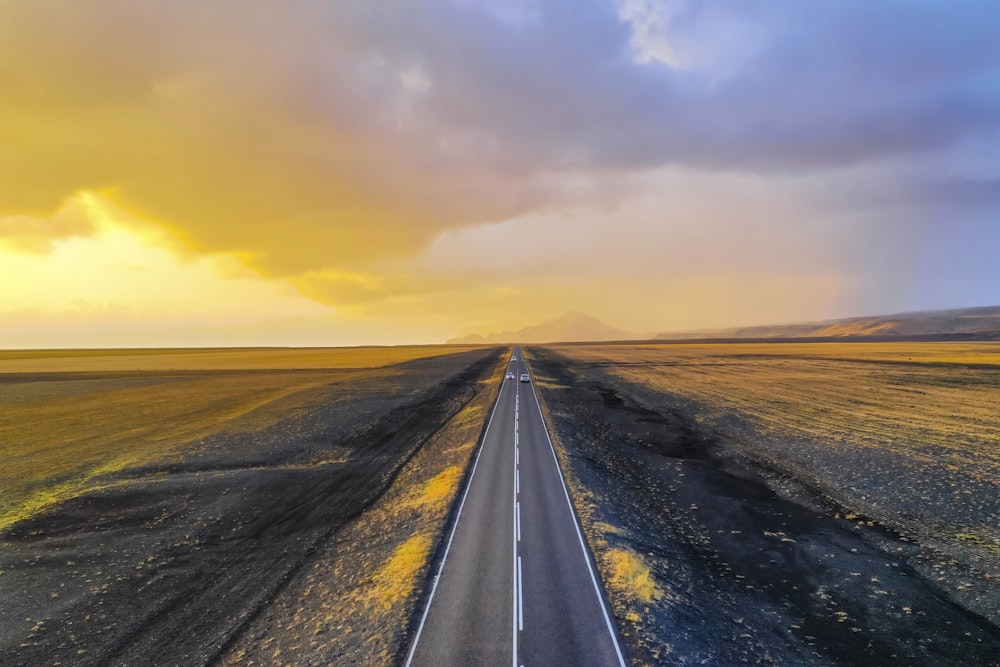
column 525, row 378
column 513, row 358
column 510, row 375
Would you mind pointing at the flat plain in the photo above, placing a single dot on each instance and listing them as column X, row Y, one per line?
column 907, row 433
column 71, row 416
column 833, row 503
column 828, row 504
column 155, row 507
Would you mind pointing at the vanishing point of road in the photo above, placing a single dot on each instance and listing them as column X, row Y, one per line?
column 516, row 584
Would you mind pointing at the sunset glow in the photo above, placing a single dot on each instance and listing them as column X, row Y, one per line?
column 317, row 173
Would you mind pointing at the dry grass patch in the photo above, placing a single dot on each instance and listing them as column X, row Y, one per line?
column 939, row 409
column 395, row 580
column 59, row 432
column 441, row 488
column 161, row 359
column 978, row 353
column 51, row 446
column 470, row 413
column 630, row 575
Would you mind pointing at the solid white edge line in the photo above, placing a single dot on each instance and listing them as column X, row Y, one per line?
column 458, row 516
column 579, row 532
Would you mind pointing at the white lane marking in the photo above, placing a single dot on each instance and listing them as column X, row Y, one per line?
column 520, row 610
column 458, row 515
column 517, row 480
column 579, row 535
column 518, row 506
column 517, row 454
column 516, row 594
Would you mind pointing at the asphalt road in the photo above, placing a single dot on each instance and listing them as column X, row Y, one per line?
column 516, row 584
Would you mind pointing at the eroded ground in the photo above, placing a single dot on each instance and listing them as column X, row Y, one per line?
column 228, row 536
column 706, row 564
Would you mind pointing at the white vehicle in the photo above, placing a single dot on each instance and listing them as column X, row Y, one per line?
column 525, row 378
column 510, row 375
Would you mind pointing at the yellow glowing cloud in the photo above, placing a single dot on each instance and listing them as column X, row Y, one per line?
column 123, row 273
column 37, row 235
column 254, row 130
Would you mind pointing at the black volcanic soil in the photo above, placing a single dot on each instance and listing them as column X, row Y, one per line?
column 746, row 576
column 172, row 563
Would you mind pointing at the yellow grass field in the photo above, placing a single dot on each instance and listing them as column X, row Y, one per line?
column 984, row 353
column 908, row 433
column 70, row 416
column 163, row 359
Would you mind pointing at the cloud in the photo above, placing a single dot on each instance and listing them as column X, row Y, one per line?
column 121, row 271
column 685, row 35
column 385, row 158
column 278, row 133
column 38, row 235
column 750, row 86
column 318, row 133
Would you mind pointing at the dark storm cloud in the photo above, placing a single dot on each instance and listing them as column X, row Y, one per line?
column 829, row 83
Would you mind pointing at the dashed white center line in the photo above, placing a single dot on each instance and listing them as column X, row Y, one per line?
column 520, row 608
column 518, row 619
column 518, row 506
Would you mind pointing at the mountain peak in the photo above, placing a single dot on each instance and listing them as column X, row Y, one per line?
column 573, row 316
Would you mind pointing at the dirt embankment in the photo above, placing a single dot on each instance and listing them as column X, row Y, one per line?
column 230, row 549
column 706, row 564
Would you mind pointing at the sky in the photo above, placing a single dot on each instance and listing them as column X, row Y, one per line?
column 317, row 172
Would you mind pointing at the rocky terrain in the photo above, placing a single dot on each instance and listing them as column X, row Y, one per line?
column 712, row 556
column 207, row 553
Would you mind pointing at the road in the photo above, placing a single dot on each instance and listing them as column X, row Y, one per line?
column 516, row 584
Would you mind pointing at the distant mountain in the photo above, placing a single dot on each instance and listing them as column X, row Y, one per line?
column 571, row 327
column 972, row 322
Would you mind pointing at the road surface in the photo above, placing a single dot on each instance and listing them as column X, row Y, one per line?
column 516, row 584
